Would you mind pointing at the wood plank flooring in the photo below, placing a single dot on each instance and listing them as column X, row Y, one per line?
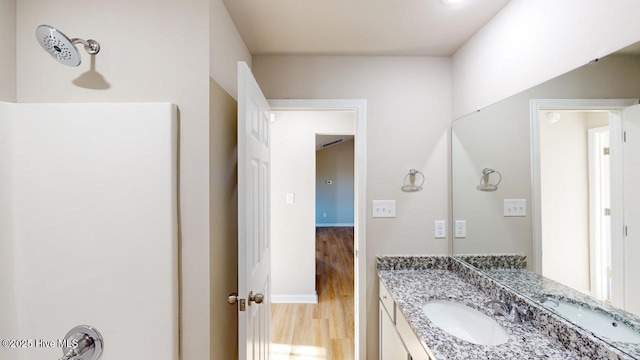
column 323, row 331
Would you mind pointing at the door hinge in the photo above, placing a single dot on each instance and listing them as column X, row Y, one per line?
column 607, row 212
column 626, row 233
column 607, row 151
column 624, row 136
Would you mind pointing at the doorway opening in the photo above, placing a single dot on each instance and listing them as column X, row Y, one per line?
column 577, row 208
column 316, row 276
column 335, row 157
column 575, row 174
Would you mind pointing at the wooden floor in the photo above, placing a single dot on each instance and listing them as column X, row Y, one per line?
column 324, row 330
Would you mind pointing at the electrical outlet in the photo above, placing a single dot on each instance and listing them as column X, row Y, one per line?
column 324, row 214
column 384, row 208
column 460, row 229
column 440, row 229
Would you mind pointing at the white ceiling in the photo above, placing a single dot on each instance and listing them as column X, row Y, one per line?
column 359, row 27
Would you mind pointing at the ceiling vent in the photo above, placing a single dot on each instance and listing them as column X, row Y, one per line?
column 331, row 143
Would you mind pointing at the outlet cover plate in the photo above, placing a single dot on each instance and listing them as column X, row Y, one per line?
column 460, row 229
column 440, row 229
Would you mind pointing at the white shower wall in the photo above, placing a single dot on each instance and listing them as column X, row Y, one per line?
column 8, row 309
column 88, row 226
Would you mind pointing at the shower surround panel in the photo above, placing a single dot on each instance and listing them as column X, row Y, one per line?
column 89, row 227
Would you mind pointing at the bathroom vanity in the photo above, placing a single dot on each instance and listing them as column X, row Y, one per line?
column 407, row 332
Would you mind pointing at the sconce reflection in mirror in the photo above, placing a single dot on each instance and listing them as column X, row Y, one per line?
column 409, row 184
column 485, row 183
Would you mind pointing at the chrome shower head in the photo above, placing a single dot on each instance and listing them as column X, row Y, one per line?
column 61, row 47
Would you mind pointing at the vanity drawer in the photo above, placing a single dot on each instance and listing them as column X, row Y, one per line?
column 411, row 341
column 387, row 301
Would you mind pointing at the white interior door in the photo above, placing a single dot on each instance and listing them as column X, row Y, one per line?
column 254, row 243
column 631, row 154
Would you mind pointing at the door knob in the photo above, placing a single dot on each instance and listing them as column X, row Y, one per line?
column 232, row 298
column 257, row 298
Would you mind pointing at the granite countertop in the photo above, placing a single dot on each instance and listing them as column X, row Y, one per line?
column 411, row 288
column 535, row 286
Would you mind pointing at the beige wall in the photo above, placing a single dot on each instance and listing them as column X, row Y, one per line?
column 293, row 169
column 408, row 115
column 223, row 227
column 8, row 58
column 336, row 200
column 500, row 135
column 151, row 51
column 226, row 49
column 529, row 42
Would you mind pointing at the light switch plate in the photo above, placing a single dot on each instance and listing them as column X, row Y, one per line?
column 384, row 208
column 291, row 198
column 460, row 229
column 440, row 229
column 515, row 207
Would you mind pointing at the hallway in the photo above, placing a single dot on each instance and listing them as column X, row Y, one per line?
column 324, row 330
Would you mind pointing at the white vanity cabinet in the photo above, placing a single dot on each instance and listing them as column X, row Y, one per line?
column 397, row 340
column 391, row 346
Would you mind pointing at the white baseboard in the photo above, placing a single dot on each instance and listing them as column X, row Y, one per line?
column 335, row 225
column 294, row 299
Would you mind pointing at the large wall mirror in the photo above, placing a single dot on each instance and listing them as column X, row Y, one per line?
column 548, row 175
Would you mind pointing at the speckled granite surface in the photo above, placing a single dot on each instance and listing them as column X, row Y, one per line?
column 411, row 288
column 497, row 261
column 542, row 338
column 413, row 262
column 572, row 337
column 535, row 286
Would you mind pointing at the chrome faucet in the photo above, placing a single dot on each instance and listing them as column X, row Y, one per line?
column 517, row 314
column 512, row 311
column 500, row 308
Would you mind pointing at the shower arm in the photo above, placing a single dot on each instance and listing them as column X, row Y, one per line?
column 91, row 46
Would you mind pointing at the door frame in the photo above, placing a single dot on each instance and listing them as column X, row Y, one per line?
column 595, row 204
column 360, row 270
column 615, row 107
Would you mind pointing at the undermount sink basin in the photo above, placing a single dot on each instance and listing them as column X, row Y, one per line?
column 594, row 321
column 464, row 322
